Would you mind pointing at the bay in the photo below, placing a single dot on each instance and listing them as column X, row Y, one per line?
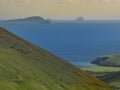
column 78, row 43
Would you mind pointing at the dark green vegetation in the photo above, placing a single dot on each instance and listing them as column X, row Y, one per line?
column 24, row 66
column 108, row 69
column 111, row 60
column 112, row 78
column 110, row 75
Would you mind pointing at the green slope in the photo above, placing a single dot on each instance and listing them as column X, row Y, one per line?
column 112, row 78
column 110, row 75
column 111, row 60
column 24, row 66
column 99, row 70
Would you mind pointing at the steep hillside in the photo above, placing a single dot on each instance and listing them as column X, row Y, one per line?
column 24, row 66
column 111, row 60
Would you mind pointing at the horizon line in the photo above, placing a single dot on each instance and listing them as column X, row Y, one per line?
column 61, row 18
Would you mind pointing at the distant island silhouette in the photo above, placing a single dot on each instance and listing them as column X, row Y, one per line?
column 33, row 19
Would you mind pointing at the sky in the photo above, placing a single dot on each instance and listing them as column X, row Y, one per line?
column 60, row 9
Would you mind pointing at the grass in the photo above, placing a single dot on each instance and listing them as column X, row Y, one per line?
column 110, row 75
column 24, row 66
column 100, row 68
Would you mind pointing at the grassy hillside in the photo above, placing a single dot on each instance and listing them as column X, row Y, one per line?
column 113, row 78
column 110, row 75
column 24, row 66
column 100, row 68
column 111, row 60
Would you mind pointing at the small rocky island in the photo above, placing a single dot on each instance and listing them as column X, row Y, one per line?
column 111, row 60
column 79, row 19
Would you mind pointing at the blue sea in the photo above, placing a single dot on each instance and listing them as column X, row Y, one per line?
column 78, row 43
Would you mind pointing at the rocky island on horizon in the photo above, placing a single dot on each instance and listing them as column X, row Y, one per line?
column 32, row 19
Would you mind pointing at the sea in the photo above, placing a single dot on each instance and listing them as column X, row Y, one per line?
column 78, row 43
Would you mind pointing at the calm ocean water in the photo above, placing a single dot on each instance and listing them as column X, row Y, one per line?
column 78, row 43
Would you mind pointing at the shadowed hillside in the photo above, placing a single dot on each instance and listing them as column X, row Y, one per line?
column 24, row 66
column 112, row 78
column 111, row 60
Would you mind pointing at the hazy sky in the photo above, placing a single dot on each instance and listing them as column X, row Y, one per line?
column 60, row 8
